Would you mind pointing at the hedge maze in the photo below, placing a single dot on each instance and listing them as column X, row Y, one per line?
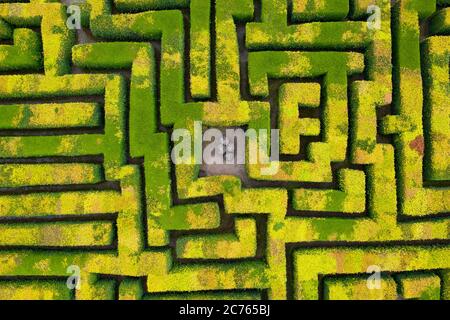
column 86, row 177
